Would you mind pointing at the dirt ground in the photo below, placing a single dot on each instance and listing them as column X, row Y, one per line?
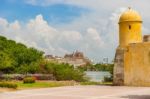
column 6, row 90
column 81, row 92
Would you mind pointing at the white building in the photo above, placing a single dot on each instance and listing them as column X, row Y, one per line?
column 76, row 59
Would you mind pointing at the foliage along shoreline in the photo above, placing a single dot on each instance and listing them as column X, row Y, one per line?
column 17, row 58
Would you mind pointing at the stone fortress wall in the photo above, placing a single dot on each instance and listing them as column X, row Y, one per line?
column 132, row 59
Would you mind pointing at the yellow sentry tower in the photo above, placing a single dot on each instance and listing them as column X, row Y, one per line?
column 130, row 24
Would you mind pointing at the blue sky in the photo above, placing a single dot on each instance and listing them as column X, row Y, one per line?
column 63, row 26
column 56, row 13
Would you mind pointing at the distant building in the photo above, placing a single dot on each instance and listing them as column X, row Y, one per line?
column 76, row 59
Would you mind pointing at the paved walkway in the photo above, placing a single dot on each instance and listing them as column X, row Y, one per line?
column 81, row 92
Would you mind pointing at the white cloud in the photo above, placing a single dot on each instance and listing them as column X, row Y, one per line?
column 3, row 22
column 38, row 33
column 95, row 33
column 94, row 38
column 96, row 41
column 71, row 36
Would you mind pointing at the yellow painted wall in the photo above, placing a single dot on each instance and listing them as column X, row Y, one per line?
column 129, row 35
column 137, row 65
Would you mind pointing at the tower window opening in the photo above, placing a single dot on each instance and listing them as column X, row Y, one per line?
column 129, row 27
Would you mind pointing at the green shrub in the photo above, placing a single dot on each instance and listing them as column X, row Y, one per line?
column 90, row 83
column 43, row 76
column 108, row 79
column 63, row 72
column 7, row 77
column 29, row 80
column 8, row 85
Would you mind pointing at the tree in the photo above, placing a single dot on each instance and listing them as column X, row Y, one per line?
column 63, row 71
column 6, row 63
column 15, row 56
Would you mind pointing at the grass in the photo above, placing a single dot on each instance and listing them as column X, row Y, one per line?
column 49, row 84
column 43, row 84
column 96, row 83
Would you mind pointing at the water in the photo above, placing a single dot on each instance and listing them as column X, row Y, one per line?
column 97, row 76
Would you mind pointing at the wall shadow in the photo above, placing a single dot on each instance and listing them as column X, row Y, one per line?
column 137, row 97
